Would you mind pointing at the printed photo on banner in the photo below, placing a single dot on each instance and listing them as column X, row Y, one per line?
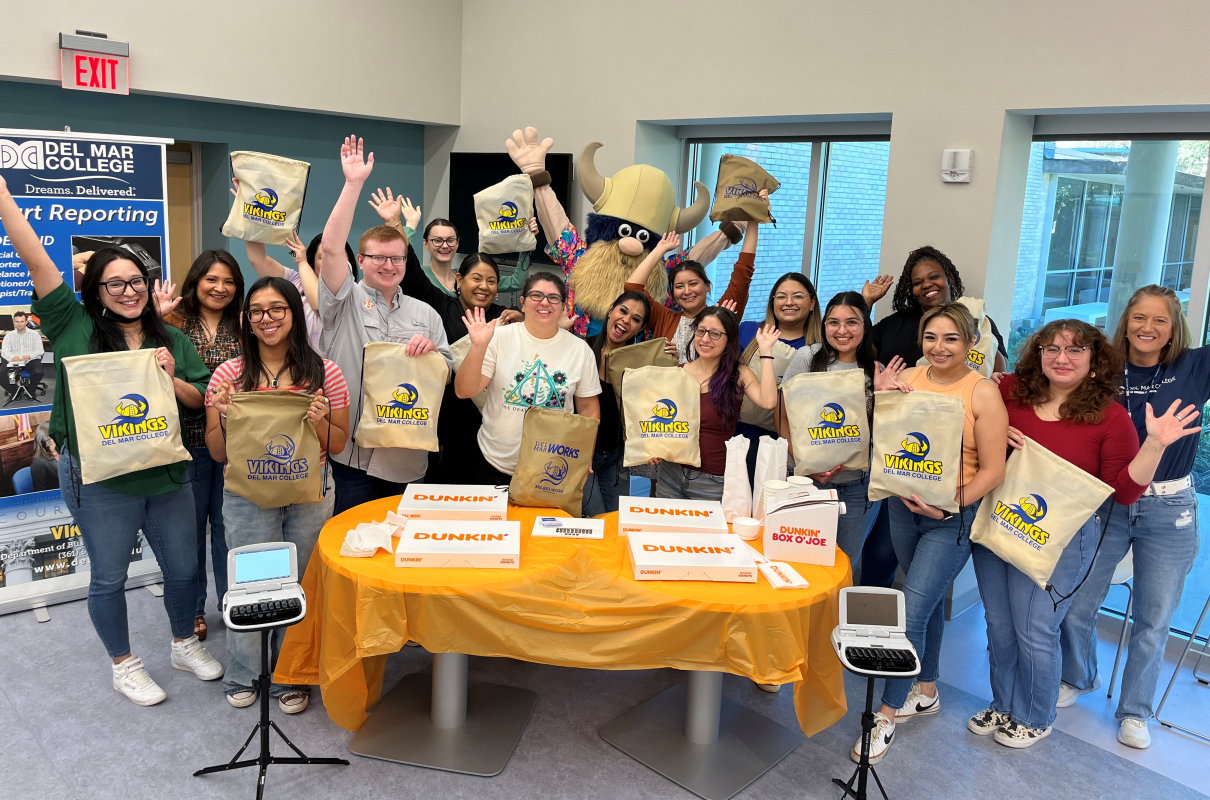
column 29, row 460
column 27, row 365
column 146, row 250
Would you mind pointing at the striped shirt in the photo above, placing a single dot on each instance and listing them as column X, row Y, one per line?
column 335, row 388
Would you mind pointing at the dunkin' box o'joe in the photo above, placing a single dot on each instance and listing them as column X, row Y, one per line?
column 654, row 515
column 445, row 501
column 459, row 544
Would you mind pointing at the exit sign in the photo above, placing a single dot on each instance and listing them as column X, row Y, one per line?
column 93, row 63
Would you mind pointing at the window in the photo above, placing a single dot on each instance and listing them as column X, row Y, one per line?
column 829, row 213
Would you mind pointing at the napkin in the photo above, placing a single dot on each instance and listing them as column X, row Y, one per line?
column 365, row 540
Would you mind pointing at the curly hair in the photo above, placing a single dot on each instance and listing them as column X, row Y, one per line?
column 1088, row 401
column 904, row 299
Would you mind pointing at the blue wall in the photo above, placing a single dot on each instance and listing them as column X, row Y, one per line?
column 398, row 147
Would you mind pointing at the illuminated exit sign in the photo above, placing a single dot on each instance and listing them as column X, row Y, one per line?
column 93, row 63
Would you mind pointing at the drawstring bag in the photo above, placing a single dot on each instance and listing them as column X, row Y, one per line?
column 402, row 397
column 737, row 193
column 662, row 416
column 270, row 200
column 1039, row 508
column 459, row 350
column 650, row 353
column 555, row 458
column 125, row 412
column 737, row 494
column 503, row 212
column 772, row 456
column 828, row 422
column 982, row 354
column 751, row 413
column 273, row 453
column 917, row 447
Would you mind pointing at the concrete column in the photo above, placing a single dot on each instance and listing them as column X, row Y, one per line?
column 1143, row 225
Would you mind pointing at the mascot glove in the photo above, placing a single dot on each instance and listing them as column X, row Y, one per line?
column 527, row 152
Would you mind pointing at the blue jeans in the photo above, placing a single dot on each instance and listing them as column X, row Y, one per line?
column 356, row 486
column 1163, row 532
column 854, row 524
column 207, row 481
column 601, row 488
column 677, row 482
column 1023, row 625
column 932, row 552
column 248, row 523
column 110, row 522
column 878, row 563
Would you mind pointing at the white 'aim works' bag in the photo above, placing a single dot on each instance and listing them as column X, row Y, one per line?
column 270, row 201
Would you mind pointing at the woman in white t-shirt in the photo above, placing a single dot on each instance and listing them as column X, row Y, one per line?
column 536, row 363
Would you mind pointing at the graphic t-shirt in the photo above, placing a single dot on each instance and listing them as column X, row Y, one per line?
column 1187, row 379
column 527, row 371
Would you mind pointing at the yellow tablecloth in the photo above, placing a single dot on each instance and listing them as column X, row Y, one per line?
column 573, row 603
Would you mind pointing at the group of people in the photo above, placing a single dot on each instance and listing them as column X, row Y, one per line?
column 1123, row 410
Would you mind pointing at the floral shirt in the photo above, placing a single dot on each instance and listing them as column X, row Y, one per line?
column 226, row 345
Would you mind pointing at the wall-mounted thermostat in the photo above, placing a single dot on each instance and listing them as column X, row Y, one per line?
column 956, row 166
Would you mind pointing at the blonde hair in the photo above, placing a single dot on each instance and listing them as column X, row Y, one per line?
column 957, row 313
column 381, row 233
column 1179, row 342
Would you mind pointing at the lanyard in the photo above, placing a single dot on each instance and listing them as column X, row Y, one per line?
column 1155, row 385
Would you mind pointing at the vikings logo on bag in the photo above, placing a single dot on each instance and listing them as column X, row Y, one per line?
column 402, row 410
column 974, row 359
column 1022, row 519
column 262, row 208
column 663, row 422
column 912, row 461
column 743, row 187
column 132, row 423
column 278, row 462
column 832, row 429
column 507, row 221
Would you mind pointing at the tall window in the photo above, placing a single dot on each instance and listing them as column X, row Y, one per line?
column 829, row 213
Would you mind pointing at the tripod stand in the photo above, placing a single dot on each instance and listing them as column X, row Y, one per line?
column 863, row 766
column 264, row 759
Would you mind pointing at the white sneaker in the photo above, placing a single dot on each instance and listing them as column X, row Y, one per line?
column 1017, row 736
column 243, row 698
column 191, row 656
column 1069, row 694
column 771, row 688
column 880, row 740
column 917, row 704
column 294, row 702
column 1133, row 733
column 987, row 722
column 131, row 679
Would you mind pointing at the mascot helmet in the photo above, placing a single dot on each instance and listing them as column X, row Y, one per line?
column 640, row 194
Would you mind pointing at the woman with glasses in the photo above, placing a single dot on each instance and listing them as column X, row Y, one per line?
column 724, row 383
column 1061, row 396
column 1160, row 528
column 116, row 315
column 276, row 355
column 534, row 363
column 441, row 240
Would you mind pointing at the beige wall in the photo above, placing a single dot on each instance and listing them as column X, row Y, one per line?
column 392, row 59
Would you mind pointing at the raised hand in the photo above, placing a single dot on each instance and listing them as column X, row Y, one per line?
column 411, row 213
column 235, row 186
column 386, row 205
column 668, row 242
column 356, row 167
column 887, row 379
column 1170, row 426
column 875, row 290
column 318, row 409
column 298, row 251
column 509, row 316
column 766, row 337
column 527, row 152
column 161, row 294
column 418, row 346
column 478, row 328
column 729, row 305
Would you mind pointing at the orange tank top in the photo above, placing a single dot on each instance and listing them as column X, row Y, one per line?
column 965, row 389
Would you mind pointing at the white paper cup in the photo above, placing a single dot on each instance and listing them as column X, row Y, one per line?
column 746, row 528
column 801, row 480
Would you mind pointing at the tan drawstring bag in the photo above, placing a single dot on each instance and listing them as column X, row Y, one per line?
column 459, row 349
column 828, row 423
column 917, row 447
column 401, row 397
column 750, row 412
column 982, row 354
column 1043, row 502
column 737, row 193
column 555, row 458
column 270, row 200
column 125, row 412
column 503, row 212
column 661, row 415
column 632, row 356
column 273, row 452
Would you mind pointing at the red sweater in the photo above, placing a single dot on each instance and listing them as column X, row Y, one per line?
column 1104, row 450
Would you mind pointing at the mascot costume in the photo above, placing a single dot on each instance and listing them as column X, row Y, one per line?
column 633, row 209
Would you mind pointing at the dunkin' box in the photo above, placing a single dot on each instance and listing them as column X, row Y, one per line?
column 803, row 529
column 447, row 501
column 652, row 514
column 691, row 557
column 465, row 544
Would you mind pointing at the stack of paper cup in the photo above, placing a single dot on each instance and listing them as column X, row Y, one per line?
column 768, row 492
column 746, row 528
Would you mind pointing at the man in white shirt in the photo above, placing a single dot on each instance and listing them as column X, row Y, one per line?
column 22, row 351
column 371, row 310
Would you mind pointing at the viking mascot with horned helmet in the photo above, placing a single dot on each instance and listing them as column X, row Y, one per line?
column 633, row 209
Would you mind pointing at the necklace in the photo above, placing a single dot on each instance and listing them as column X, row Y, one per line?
column 928, row 373
column 133, row 341
column 273, row 375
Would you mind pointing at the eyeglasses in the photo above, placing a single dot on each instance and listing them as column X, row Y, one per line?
column 797, row 297
column 702, row 333
column 848, row 324
column 450, row 242
column 538, row 297
column 117, row 287
column 378, row 261
column 274, row 312
column 1052, row 351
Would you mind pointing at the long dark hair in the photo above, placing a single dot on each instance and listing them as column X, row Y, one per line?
column 725, row 394
column 534, row 277
column 1088, row 401
column 827, row 355
column 597, row 343
column 201, row 266
column 689, row 265
column 305, row 366
column 313, row 248
column 904, row 299
column 107, row 334
column 812, row 330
